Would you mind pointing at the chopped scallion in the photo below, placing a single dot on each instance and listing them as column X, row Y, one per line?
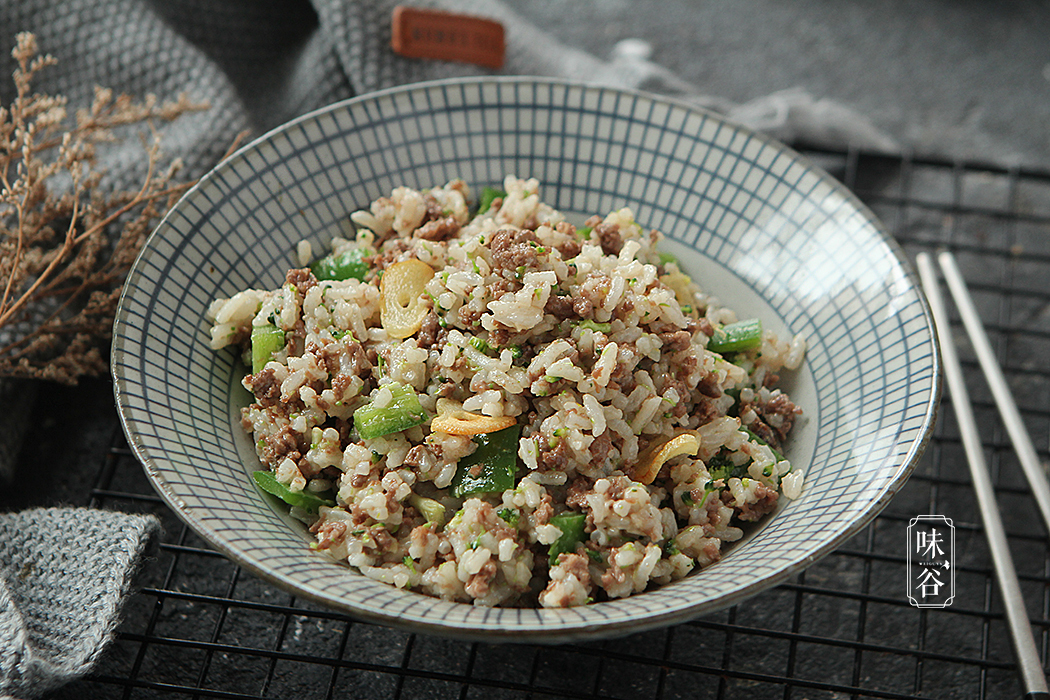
column 266, row 340
column 742, row 335
column 488, row 196
column 595, row 326
column 510, row 515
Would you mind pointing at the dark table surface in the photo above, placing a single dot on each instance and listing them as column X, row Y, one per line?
column 966, row 86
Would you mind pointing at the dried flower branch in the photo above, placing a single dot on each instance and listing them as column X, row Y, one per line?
column 66, row 241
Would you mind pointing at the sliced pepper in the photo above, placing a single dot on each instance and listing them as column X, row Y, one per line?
column 742, row 335
column 571, row 525
column 347, row 264
column 300, row 499
column 403, row 412
column 492, row 467
column 266, row 340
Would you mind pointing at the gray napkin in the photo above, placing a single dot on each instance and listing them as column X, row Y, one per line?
column 258, row 64
column 63, row 575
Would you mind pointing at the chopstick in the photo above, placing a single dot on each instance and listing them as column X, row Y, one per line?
column 1029, row 664
column 1004, row 399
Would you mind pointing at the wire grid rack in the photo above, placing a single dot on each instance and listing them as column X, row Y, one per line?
column 200, row 627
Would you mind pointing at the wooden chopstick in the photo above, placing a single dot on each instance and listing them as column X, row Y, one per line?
column 1029, row 664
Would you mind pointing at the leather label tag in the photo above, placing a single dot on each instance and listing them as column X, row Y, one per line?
column 447, row 36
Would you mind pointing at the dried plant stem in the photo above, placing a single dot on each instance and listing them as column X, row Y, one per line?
column 66, row 240
column 6, row 312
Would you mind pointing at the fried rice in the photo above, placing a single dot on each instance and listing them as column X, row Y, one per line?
column 499, row 407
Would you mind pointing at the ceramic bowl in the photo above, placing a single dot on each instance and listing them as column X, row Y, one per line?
column 753, row 222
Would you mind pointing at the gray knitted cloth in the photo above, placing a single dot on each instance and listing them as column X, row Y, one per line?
column 63, row 575
column 257, row 63
column 262, row 62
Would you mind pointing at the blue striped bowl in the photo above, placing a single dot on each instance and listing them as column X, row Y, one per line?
column 753, row 223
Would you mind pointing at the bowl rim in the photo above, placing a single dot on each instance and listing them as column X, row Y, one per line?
column 582, row 629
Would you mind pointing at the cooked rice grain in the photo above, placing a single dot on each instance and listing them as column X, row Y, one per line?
column 586, row 336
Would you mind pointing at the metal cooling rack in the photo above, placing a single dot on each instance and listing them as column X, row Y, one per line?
column 202, row 628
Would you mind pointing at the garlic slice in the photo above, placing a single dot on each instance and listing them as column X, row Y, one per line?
column 452, row 419
column 650, row 461
column 402, row 306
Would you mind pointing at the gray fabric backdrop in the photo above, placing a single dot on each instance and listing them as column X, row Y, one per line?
column 258, row 63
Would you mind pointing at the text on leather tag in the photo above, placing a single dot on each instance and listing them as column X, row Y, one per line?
column 447, row 36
